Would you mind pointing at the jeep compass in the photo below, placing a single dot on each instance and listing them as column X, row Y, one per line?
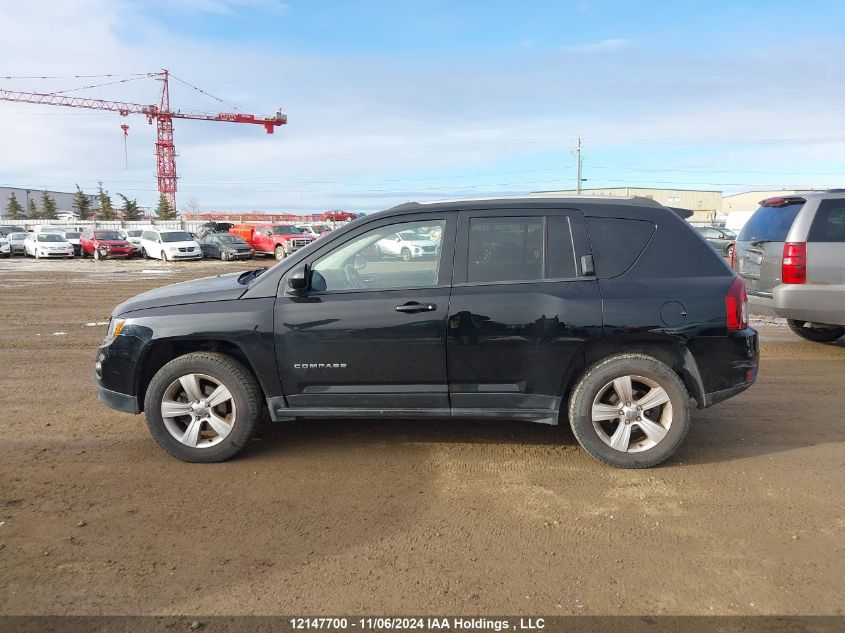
column 611, row 313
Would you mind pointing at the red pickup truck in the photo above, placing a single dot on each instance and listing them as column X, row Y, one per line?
column 279, row 240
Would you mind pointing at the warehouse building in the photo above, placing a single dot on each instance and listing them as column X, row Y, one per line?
column 63, row 199
column 706, row 205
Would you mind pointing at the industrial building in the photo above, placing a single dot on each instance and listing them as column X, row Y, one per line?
column 706, row 205
column 63, row 199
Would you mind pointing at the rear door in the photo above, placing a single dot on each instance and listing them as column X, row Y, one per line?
column 759, row 245
column 521, row 307
column 826, row 244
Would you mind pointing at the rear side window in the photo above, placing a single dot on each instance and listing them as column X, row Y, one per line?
column 770, row 224
column 617, row 243
column 505, row 249
column 561, row 249
column 829, row 223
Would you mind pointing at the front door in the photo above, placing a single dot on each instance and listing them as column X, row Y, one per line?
column 368, row 336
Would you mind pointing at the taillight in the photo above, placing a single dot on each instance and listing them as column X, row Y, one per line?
column 794, row 268
column 736, row 305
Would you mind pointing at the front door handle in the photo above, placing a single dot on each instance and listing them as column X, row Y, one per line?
column 414, row 306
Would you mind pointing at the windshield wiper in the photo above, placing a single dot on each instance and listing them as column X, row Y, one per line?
column 759, row 242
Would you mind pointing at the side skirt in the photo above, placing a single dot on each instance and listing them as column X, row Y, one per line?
column 280, row 412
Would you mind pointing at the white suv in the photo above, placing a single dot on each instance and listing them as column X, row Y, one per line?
column 408, row 245
column 169, row 245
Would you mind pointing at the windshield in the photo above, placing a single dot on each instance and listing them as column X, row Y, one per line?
column 107, row 235
column 17, row 236
column 175, row 236
column 285, row 230
column 50, row 237
column 71, row 235
column 410, row 236
column 230, row 239
column 770, row 224
column 134, row 233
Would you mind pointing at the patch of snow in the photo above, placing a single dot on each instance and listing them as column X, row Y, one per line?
column 59, row 333
column 96, row 323
column 147, row 271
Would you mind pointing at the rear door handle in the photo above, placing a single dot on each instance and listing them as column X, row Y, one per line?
column 414, row 306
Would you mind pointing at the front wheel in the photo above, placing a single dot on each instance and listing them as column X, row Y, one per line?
column 164, row 256
column 406, row 255
column 729, row 251
column 817, row 335
column 630, row 411
column 203, row 407
column 279, row 253
column 97, row 255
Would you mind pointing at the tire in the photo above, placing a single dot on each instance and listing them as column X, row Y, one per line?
column 164, row 256
column 279, row 253
column 36, row 254
column 97, row 255
column 817, row 335
column 406, row 255
column 245, row 402
column 729, row 250
column 597, row 385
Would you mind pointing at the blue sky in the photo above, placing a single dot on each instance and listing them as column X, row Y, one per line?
column 391, row 101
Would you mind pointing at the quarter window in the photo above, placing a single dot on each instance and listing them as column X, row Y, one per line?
column 829, row 223
column 405, row 255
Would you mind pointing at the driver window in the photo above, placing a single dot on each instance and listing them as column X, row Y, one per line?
column 375, row 260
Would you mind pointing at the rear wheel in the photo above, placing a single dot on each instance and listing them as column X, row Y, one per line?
column 817, row 335
column 203, row 407
column 630, row 411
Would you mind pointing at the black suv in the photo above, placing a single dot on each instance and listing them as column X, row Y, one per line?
column 613, row 313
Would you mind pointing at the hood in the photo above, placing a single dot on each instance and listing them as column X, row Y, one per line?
column 220, row 288
column 120, row 243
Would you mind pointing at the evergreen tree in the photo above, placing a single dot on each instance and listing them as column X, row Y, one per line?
column 130, row 210
column 81, row 204
column 32, row 210
column 14, row 210
column 48, row 207
column 164, row 210
column 106, row 209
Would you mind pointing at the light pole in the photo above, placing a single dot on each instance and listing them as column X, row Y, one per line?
column 26, row 208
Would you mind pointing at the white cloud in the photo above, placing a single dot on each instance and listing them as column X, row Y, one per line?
column 610, row 44
column 227, row 7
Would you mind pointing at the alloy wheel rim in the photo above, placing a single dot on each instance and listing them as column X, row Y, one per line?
column 198, row 410
column 632, row 413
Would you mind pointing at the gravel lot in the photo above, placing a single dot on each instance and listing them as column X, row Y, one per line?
column 400, row 517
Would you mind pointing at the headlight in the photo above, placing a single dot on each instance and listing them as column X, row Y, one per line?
column 115, row 328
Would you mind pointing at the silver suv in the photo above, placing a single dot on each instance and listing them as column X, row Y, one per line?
column 791, row 253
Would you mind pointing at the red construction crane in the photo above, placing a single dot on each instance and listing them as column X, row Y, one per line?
column 161, row 113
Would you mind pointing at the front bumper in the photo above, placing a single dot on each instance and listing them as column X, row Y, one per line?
column 194, row 255
column 118, row 401
column 810, row 302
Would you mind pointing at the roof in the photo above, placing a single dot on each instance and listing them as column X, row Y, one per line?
column 533, row 201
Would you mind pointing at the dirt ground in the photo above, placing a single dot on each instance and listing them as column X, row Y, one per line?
column 405, row 517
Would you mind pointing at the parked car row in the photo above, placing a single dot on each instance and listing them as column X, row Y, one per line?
column 219, row 240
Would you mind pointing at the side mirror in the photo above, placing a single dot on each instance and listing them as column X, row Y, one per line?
column 397, row 239
column 298, row 279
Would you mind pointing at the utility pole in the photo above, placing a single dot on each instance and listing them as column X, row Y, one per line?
column 578, row 161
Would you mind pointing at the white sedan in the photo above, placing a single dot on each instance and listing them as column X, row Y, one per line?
column 408, row 245
column 40, row 245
